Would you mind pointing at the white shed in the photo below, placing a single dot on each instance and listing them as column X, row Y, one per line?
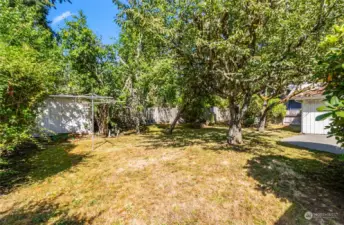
column 311, row 100
column 65, row 114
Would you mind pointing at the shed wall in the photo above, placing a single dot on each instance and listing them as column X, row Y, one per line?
column 65, row 115
column 309, row 113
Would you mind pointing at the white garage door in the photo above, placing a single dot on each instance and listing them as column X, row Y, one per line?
column 309, row 113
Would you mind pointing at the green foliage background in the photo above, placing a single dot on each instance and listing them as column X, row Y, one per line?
column 30, row 64
column 331, row 70
column 190, row 55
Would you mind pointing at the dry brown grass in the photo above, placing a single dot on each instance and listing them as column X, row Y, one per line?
column 188, row 178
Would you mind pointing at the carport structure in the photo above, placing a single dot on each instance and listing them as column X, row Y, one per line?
column 67, row 113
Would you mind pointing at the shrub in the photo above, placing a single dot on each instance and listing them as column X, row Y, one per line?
column 275, row 115
column 331, row 69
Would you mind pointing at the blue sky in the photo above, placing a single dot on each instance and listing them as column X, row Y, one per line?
column 100, row 17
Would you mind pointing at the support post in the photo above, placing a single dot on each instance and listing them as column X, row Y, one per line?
column 92, row 123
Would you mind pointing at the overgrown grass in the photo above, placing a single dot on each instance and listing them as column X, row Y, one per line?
column 191, row 177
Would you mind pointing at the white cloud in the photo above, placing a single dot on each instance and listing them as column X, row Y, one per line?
column 61, row 17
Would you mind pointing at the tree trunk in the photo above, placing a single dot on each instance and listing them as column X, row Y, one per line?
column 174, row 123
column 234, row 133
column 102, row 119
column 263, row 115
column 237, row 113
column 267, row 108
column 262, row 123
column 137, row 124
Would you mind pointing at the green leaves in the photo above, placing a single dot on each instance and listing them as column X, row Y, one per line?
column 30, row 68
column 340, row 113
column 334, row 107
column 90, row 66
column 331, row 69
column 323, row 116
column 334, row 101
column 324, row 108
column 230, row 49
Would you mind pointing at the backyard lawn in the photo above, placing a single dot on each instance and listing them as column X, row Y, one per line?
column 191, row 177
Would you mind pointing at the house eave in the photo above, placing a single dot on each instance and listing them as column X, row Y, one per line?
column 300, row 99
column 80, row 96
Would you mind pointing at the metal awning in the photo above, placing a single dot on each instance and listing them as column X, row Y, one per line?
column 94, row 100
column 91, row 97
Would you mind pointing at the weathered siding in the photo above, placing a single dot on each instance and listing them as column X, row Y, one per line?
column 65, row 115
column 309, row 113
column 293, row 117
column 158, row 115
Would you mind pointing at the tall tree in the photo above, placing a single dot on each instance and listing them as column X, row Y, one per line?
column 28, row 56
column 236, row 49
column 244, row 46
column 42, row 8
column 90, row 66
column 146, row 61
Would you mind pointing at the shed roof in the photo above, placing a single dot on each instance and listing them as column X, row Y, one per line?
column 90, row 96
column 315, row 93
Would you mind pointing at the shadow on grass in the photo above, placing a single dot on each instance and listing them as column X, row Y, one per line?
column 41, row 213
column 102, row 143
column 290, row 128
column 211, row 138
column 35, row 165
column 183, row 137
column 309, row 184
column 254, row 143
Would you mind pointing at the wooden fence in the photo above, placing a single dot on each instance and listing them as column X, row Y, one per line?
column 158, row 115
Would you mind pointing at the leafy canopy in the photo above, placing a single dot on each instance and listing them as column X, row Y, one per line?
column 331, row 69
column 29, row 70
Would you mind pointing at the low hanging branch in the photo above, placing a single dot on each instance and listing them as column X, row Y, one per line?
column 267, row 107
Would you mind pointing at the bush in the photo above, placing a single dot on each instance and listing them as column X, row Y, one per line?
column 212, row 119
column 253, row 111
column 29, row 70
column 331, row 69
column 275, row 115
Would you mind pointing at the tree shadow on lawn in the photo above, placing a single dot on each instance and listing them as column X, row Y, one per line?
column 183, row 137
column 41, row 212
column 211, row 138
column 310, row 184
column 254, row 143
column 34, row 165
column 311, row 181
column 290, row 128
